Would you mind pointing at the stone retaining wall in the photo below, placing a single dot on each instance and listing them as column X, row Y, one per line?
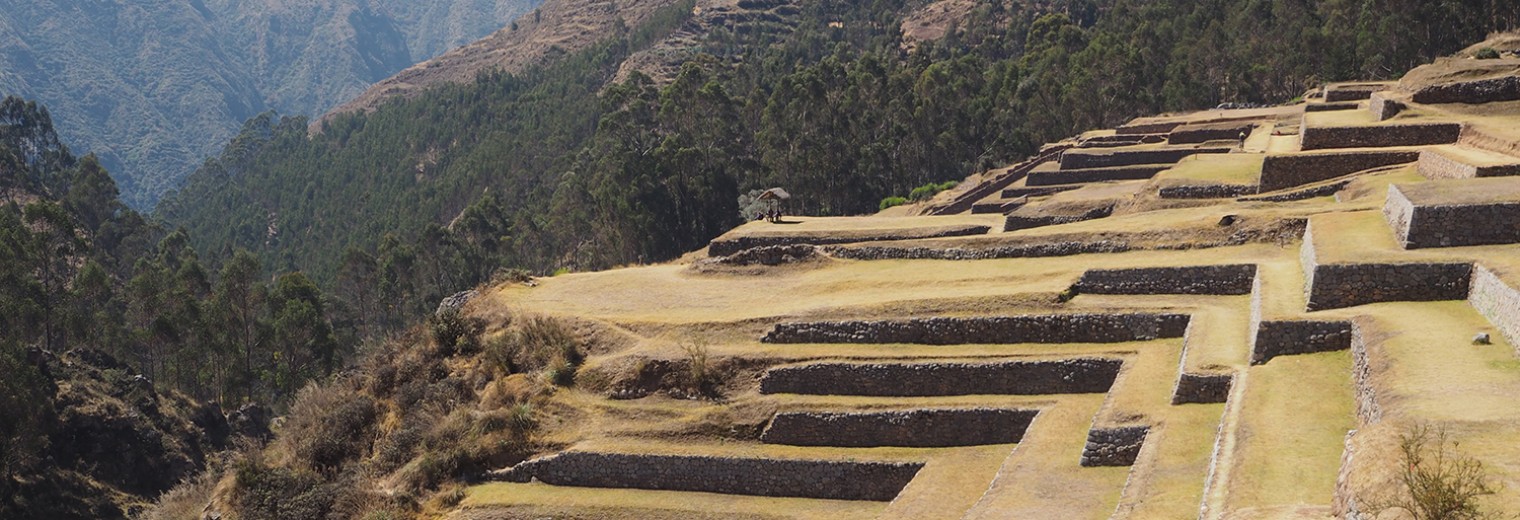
column 1451, row 225
column 1324, row 190
column 921, row 428
column 1202, row 388
column 1015, row 222
column 1000, row 206
column 1086, row 160
column 1384, row 107
column 1334, row 286
column 1205, row 279
column 1067, row 376
column 965, row 200
column 1046, row 328
column 1204, row 133
column 1368, row 410
column 729, row 246
column 1041, row 191
column 1206, row 191
column 1113, row 446
column 1086, row 175
column 1284, row 338
column 1436, row 165
column 835, row 480
column 955, row 253
column 1146, row 128
column 1328, row 137
column 1471, row 92
column 1330, row 107
column 1289, row 170
column 1497, row 301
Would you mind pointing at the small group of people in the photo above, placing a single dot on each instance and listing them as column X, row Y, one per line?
column 773, row 215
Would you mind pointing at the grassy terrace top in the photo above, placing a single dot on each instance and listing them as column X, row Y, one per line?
column 1468, row 191
column 1475, row 156
column 1230, row 168
column 1211, row 116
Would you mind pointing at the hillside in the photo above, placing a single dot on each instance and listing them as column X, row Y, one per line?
column 524, row 170
column 154, row 88
column 1292, row 312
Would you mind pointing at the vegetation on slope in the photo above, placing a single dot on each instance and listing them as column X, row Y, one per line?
column 519, row 170
column 152, row 88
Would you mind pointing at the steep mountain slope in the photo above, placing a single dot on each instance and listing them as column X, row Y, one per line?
column 556, row 28
column 155, row 87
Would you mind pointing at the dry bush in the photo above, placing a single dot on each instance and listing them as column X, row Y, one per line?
column 1435, row 481
column 537, row 344
column 187, row 501
column 328, row 425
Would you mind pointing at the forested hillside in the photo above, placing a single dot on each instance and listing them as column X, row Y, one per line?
column 152, row 88
column 521, row 170
column 119, row 348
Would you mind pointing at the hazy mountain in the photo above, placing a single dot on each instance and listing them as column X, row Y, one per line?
column 155, row 86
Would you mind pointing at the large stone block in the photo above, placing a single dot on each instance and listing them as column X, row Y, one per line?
column 1284, row 171
column 1383, row 136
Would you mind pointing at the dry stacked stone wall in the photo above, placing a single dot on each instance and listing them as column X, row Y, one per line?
column 1206, row 191
column 1118, row 446
column 1086, row 175
column 1289, row 170
column 1015, row 222
column 1451, row 225
column 1205, row 133
column 920, row 428
column 1334, row 286
column 1046, row 328
column 1085, row 160
column 1066, row 248
column 836, row 480
column 1206, row 279
column 1330, row 107
column 1341, row 93
column 1202, row 388
column 1384, row 107
column 1146, row 128
column 967, row 199
column 1471, row 92
column 1368, row 411
column 1041, row 191
column 1497, row 301
column 1284, row 338
column 1383, row 136
column 1437, row 165
column 729, row 246
column 1067, row 376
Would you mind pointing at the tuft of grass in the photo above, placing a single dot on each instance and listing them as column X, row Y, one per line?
column 1487, row 53
column 892, row 202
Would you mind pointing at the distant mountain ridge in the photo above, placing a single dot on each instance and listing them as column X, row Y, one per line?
column 153, row 87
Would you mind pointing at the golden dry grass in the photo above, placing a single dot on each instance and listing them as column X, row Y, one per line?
column 1228, row 168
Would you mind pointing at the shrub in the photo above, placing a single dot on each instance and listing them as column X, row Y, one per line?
column 698, row 369
column 328, row 425
column 1435, row 481
column 928, row 191
column 455, row 333
column 892, row 202
column 1487, row 53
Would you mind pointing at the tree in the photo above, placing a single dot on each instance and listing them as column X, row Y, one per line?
column 237, row 305
column 1436, row 481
